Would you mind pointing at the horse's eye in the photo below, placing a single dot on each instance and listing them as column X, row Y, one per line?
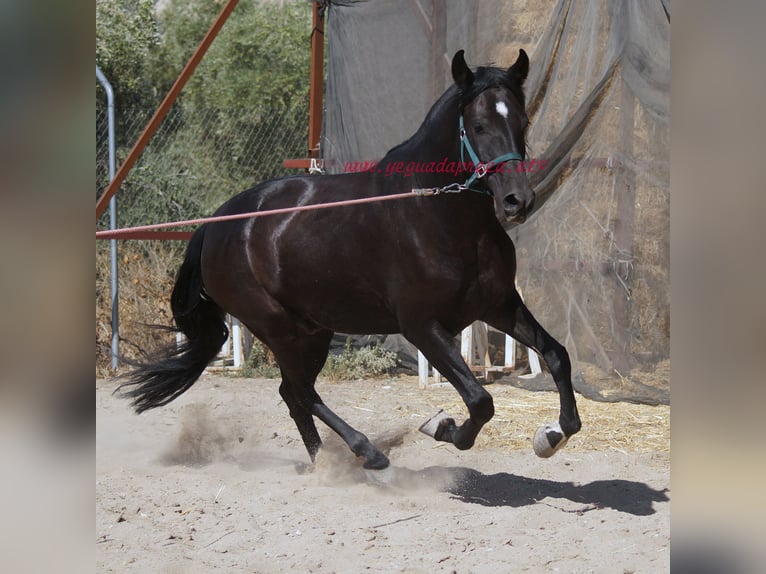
column 478, row 128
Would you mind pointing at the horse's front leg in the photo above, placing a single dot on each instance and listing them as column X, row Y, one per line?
column 438, row 347
column 516, row 320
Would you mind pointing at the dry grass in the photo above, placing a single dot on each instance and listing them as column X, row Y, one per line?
column 617, row 426
column 146, row 273
column 623, row 427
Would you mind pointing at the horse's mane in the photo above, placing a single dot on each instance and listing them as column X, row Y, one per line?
column 454, row 98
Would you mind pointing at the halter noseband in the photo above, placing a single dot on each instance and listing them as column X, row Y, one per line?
column 480, row 168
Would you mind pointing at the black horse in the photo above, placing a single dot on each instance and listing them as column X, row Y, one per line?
column 425, row 267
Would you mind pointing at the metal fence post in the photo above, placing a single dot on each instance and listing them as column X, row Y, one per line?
column 112, row 220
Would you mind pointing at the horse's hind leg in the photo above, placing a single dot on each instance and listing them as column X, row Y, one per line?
column 307, row 357
column 359, row 444
column 300, row 358
column 300, row 412
column 515, row 319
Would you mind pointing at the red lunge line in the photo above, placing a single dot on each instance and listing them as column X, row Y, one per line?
column 117, row 233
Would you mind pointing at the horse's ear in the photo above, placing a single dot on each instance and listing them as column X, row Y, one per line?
column 461, row 73
column 520, row 68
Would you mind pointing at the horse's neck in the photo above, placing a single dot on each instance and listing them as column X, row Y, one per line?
column 435, row 141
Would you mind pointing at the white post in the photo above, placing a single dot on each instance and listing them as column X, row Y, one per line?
column 534, row 362
column 468, row 353
column 510, row 352
column 466, row 344
column 481, row 333
column 236, row 333
column 225, row 346
column 422, row 371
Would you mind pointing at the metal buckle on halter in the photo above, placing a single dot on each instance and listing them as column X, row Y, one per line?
column 481, row 170
column 453, row 188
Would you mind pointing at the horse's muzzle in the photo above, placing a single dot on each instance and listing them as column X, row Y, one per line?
column 515, row 208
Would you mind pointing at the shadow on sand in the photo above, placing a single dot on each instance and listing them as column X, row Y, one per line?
column 505, row 489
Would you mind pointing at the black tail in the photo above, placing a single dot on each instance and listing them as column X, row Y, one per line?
column 159, row 381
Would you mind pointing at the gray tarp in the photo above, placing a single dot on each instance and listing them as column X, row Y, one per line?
column 594, row 258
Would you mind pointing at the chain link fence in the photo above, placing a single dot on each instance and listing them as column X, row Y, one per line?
column 197, row 159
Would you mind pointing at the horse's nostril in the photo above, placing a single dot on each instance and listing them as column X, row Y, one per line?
column 511, row 203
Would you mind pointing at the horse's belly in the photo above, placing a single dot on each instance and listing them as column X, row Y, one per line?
column 344, row 311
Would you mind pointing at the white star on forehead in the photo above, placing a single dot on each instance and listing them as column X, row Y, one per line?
column 502, row 109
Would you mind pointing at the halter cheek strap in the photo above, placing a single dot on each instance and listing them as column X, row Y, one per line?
column 480, row 168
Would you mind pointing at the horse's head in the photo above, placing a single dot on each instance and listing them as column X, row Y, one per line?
column 494, row 120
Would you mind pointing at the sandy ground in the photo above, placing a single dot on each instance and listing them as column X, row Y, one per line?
column 220, row 481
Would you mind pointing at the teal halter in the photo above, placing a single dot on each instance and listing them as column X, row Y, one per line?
column 480, row 168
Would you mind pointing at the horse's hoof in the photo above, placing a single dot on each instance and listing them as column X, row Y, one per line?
column 379, row 461
column 445, row 431
column 431, row 426
column 548, row 439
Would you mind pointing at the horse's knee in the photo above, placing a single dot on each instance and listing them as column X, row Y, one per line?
column 557, row 359
column 298, row 406
column 285, row 392
column 287, row 395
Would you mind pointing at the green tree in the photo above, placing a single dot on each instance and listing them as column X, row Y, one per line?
column 259, row 61
column 243, row 111
column 127, row 38
column 127, row 41
column 247, row 102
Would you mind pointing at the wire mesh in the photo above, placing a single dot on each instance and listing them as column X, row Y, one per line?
column 197, row 159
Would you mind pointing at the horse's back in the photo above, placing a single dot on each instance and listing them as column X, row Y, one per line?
column 321, row 264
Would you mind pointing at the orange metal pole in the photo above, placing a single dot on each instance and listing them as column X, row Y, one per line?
column 162, row 111
column 316, row 78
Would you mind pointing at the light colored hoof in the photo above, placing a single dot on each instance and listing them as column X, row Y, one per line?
column 429, row 427
column 543, row 438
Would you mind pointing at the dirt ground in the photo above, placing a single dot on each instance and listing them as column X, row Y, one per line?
column 220, row 481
